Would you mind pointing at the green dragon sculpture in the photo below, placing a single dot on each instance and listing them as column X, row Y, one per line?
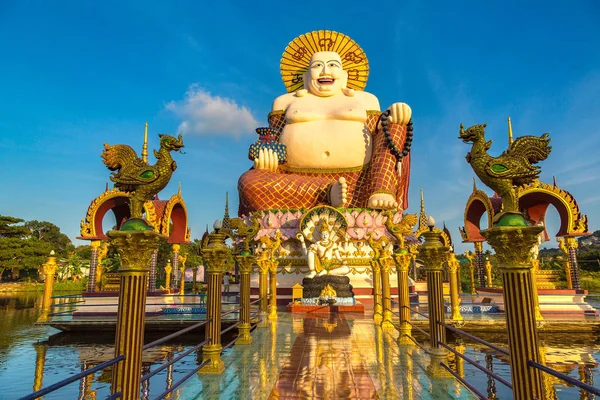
column 135, row 176
column 511, row 169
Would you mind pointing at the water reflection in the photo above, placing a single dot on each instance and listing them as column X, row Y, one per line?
column 32, row 357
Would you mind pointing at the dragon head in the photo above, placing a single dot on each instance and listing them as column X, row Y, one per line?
column 170, row 143
column 472, row 133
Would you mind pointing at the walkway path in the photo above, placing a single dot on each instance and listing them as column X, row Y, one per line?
column 322, row 357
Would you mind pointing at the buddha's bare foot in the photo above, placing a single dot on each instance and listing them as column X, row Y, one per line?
column 382, row 201
column 339, row 192
column 312, row 274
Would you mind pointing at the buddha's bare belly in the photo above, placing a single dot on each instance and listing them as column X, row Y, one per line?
column 328, row 144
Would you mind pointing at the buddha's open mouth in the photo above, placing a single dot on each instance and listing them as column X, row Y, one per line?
column 326, row 81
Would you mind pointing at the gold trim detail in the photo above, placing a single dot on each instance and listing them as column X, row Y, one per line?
column 322, row 170
column 578, row 222
column 275, row 112
column 165, row 224
column 88, row 226
column 296, row 58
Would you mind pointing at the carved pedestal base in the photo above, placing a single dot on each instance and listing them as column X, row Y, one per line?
column 313, row 287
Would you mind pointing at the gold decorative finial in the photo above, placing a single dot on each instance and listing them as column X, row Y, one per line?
column 474, row 184
column 145, row 145
column 554, row 178
column 510, row 138
column 179, row 188
column 422, row 215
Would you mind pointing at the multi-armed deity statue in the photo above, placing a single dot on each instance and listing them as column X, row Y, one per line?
column 329, row 164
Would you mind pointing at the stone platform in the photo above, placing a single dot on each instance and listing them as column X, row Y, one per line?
column 304, row 308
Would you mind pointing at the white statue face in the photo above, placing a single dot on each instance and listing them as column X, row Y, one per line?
column 325, row 235
column 325, row 76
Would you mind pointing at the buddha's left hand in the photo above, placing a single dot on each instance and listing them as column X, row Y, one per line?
column 400, row 113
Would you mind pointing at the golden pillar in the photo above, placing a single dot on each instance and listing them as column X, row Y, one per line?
column 433, row 253
column 194, row 277
column 40, row 361
column 563, row 247
column 403, row 260
column 535, row 265
column 94, row 247
column 135, row 248
column 273, row 281
column 245, row 262
column 102, row 252
column 99, row 275
column 453, row 268
column 377, row 306
column 488, row 272
column 386, row 291
column 216, row 255
column 182, row 281
column 512, row 245
column 263, row 270
column 470, row 256
column 168, row 269
column 49, row 269
column 176, row 248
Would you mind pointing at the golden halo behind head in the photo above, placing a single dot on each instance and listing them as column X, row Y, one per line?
column 296, row 58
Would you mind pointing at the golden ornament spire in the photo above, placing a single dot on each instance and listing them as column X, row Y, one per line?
column 145, row 145
column 179, row 188
column 226, row 220
column 474, row 184
column 422, row 215
column 510, row 137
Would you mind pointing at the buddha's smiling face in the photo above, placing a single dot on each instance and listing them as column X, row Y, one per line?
column 325, row 76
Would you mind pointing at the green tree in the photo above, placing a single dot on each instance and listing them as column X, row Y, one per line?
column 10, row 229
column 50, row 233
column 19, row 252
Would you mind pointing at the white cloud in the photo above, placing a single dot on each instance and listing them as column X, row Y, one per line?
column 204, row 114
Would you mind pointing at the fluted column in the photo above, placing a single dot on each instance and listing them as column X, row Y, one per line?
column 168, row 269
column 152, row 276
column 175, row 271
column 453, row 270
column 377, row 304
column 403, row 261
column 480, row 267
column 571, row 243
column 182, row 281
column 215, row 255
column 386, row 292
column 245, row 263
column 471, row 258
column 273, row 281
column 135, row 248
column 49, row 269
column 535, row 265
column 433, row 253
column 94, row 246
column 263, row 270
column 513, row 245
column 488, row 272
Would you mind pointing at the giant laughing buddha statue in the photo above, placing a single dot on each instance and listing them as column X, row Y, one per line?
column 327, row 141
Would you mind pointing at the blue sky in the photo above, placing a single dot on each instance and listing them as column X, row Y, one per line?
column 76, row 74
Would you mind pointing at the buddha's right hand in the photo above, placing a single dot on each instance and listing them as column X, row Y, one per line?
column 267, row 160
